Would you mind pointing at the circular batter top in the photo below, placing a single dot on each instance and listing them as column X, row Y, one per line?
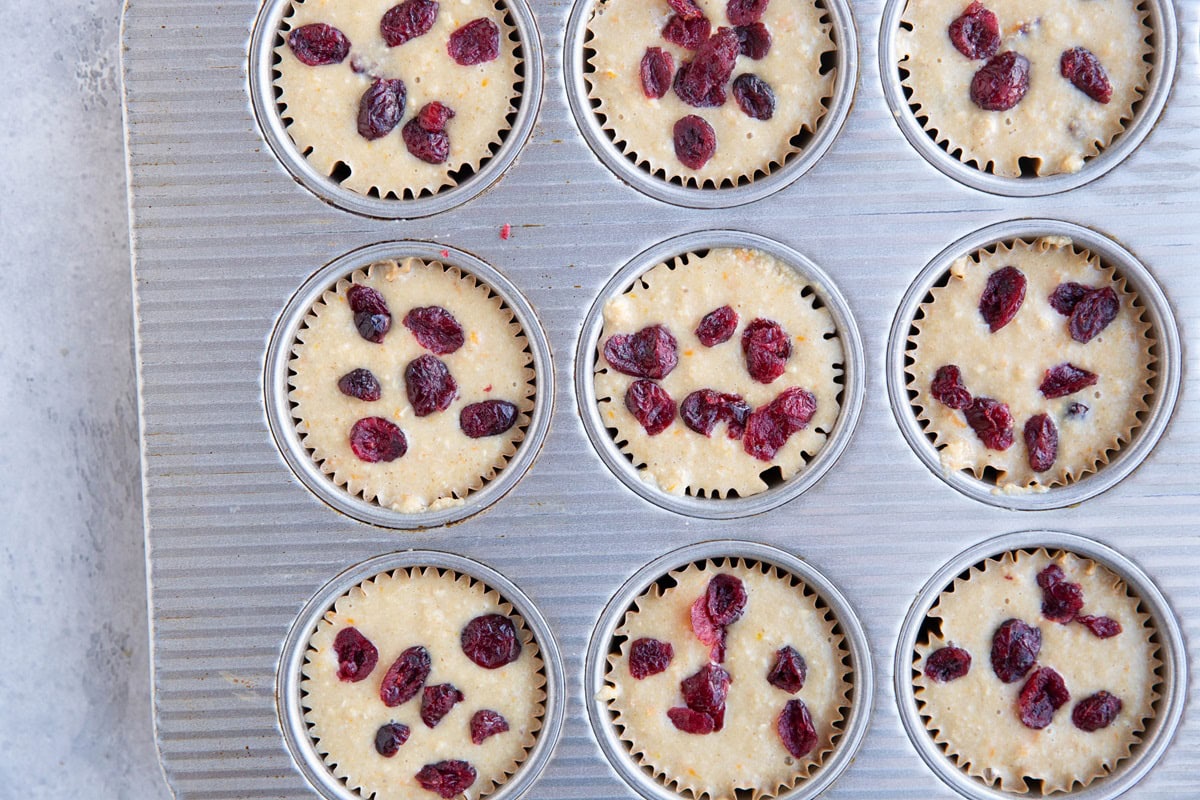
column 442, row 464
column 429, row 608
column 622, row 30
column 1010, row 364
column 747, row 753
column 320, row 104
column 975, row 717
column 677, row 295
column 1055, row 127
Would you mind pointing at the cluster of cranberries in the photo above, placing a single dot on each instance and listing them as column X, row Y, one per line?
column 1015, row 649
column 701, row 82
column 1002, row 81
column 427, row 380
column 490, row 641
column 382, row 105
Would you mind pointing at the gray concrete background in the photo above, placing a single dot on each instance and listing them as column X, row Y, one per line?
column 75, row 694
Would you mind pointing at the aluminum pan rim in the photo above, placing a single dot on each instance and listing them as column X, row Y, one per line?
column 1161, row 318
column 1161, row 728
column 287, row 438
column 730, row 508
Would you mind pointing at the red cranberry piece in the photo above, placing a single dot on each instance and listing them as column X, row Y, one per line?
column 477, row 42
column 361, row 384
column 689, row 721
column 717, row 327
column 650, row 353
column 405, row 677
column 767, row 347
column 355, row 654
column 435, row 328
column 446, row 779
column 390, row 738
column 407, row 21
column 1041, row 442
column 992, row 422
column 436, row 702
column 432, row 147
column 1001, row 82
column 429, row 384
column 687, row 33
column 707, row 631
column 489, row 418
column 1086, row 73
column 1077, row 410
column 725, row 599
column 701, row 83
column 1066, row 296
column 487, row 723
column 381, row 107
column 754, row 41
column 695, row 141
column 948, row 389
column 769, row 427
column 1044, row 693
column 371, row 315
column 745, row 12
column 686, row 8
column 1002, row 297
column 796, row 730
column 491, row 641
column 375, row 439
column 1101, row 627
column 1092, row 314
column 1065, row 379
column 754, row 96
column 649, row 657
column 434, row 116
column 706, row 692
column 976, row 34
column 1096, row 712
column 1061, row 599
column 657, row 70
column 789, row 671
column 650, row 405
column 947, row 664
column 1015, row 648
column 704, row 408
column 319, row 44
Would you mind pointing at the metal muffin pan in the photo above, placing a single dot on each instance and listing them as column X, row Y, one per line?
column 237, row 544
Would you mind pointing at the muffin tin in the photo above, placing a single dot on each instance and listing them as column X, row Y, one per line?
column 237, row 543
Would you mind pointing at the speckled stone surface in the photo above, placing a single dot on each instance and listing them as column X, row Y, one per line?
column 75, row 694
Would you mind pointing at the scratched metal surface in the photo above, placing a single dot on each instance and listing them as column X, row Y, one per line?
column 223, row 236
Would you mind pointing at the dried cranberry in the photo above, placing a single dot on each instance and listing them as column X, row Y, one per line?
column 1002, row 297
column 706, row 691
column 976, row 34
column 1015, row 648
column 407, row 21
column 649, row 657
column 701, row 83
column 381, row 107
column 650, row 405
column 1061, row 599
column 1066, row 296
column 435, row 329
column 477, row 42
column 745, row 12
column 319, row 44
column 355, row 654
column 1041, row 442
column 436, row 702
column 447, row 779
column 704, row 408
column 429, row 384
column 769, row 427
column 789, row 670
column 1077, row 410
column 371, row 315
column 754, row 96
column 390, row 738
column 1096, row 712
column 1001, row 82
column 948, row 389
column 1084, row 70
column 657, row 70
column 687, row 33
column 487, row 723
column 767, row 347
column 796, row 730
column 361, row 384
column 489, row 418
column 754, row 41
column 491, row 641
column 1044, row 693
column 947, row 664
column 992, row 422
column 375, row 439
column 1092, row 314
column 1065, row 379
column 432, row 147
column 689, row 721
column 717, row 326
column 650, row 353
column 1101, row 627
column 695, row 141
column 434, row 116
column 725, row 599
column 707, row 631
column 405, row 677
column 686, row 8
